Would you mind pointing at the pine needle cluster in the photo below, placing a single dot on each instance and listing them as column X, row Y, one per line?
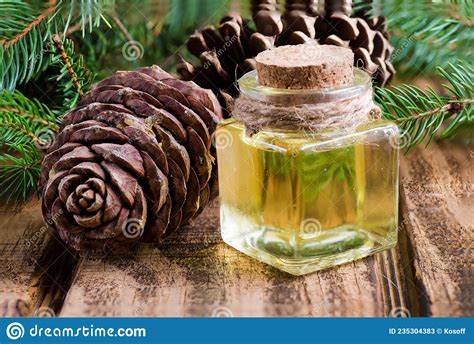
column 28, row 125
column 424, row 114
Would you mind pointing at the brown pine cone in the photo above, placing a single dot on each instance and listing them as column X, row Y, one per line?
column 262, row 5
column 132, row 162
column 341, row 6
column 308, row 6
column 227, row 52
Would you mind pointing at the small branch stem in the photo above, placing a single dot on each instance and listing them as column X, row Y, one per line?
column 62, row 52
column 38, row 20
column 75, row 27
column 32, row 117
column 454, row 13
column 25, row 132
column 453, row 107
column 122, row 28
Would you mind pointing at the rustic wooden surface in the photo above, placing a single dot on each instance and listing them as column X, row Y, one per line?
column 429, row 273
column 36, row 268
column 437, row 204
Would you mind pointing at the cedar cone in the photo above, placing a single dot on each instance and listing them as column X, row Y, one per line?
column 228, row 52
column 132, row 162
column 262, row 5
column 308, row 6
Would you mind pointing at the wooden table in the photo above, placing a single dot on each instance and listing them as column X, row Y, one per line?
column 429, row 273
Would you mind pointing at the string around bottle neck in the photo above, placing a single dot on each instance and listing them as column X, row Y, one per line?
column 307, row 110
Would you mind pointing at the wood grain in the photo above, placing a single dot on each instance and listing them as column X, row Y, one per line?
column 21, row 243
column 34, row 264
column 429, row 273
column 436, row 198
column 196, row 274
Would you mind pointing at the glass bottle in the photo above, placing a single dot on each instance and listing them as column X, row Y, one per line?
column 303, row 201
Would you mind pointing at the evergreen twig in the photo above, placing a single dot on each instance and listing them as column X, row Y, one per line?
column 7, row 43
column 26, row 128
column 73, row 77
column 67, row 63
column 422, row 114
column 20, row 173
column 21, row 118
column 25, row 27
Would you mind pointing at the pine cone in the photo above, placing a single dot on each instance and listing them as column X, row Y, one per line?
column 228, row 52
column 132, row 162
column 308, row 6
column 262, row 5
column 368, row 39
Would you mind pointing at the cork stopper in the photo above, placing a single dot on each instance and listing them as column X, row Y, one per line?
column 305, row 66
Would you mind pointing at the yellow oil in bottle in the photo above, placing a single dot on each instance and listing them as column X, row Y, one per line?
column 301, row 202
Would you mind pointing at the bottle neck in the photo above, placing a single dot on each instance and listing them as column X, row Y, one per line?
column 309, row 110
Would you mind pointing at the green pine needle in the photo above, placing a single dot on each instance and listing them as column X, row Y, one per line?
column 20, row 172
column 25, row 27
column 23, row 120
column 422, row 114
column 27, row 127
column 72, row 76
column 23, row 30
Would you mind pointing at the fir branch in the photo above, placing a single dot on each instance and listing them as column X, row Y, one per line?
column 20, row 173
column 7, row 43
column 85, row 14
column 73, row 77
column 422, row 114
column 25, row 27
column 29, row 116
column 22, row 43
column 67, row 63
column 22, row 130
column 24, row 121
column 19, row 106
column 27, row 127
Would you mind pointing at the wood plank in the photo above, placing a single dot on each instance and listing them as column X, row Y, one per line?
column 437, row 202
column 21, row 242
column 400, row 294
column 196, row 274
column 34, row 264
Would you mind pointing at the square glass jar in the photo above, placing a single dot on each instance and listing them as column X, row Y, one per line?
column 303, row 201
